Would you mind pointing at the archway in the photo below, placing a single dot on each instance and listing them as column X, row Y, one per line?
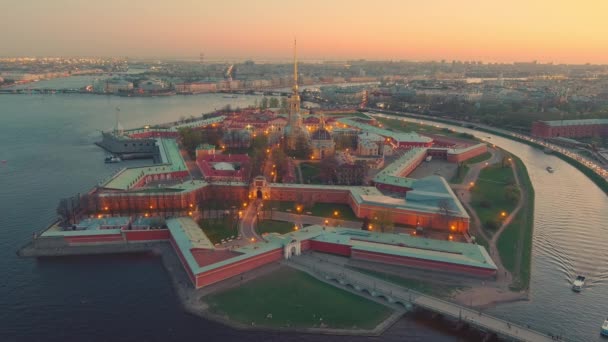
column 259, row 194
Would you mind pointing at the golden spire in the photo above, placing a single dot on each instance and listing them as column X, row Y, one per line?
column 295, row 67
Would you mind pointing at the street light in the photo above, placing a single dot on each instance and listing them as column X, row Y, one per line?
column 336, row 213
column 503, row 213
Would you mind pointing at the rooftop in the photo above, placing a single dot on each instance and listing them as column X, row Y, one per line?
column 559, row 123
column 171, row 161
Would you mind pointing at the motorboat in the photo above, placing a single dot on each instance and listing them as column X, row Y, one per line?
column 605, row 328
column 550, row 169
column 112, row 159
column 578, row 283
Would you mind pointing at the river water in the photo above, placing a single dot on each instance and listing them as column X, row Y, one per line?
column 47, row 143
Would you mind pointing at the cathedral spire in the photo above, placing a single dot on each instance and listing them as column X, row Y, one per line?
column 295, row 67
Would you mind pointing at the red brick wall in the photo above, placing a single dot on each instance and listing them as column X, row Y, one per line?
column 236, row 268
column 420, row 263
column 183, row 261
column 146, row 235
column 93, row 238
column 459, row 157
column 331, row 248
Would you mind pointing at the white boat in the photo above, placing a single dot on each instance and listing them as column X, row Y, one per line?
column 578, row 283
column 550, row 169
column 605, row 328
column 112, row 159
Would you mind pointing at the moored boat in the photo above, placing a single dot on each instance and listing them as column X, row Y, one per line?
column 605, row 328
column 112, row 159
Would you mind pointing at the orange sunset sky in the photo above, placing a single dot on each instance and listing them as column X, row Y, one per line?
column 492, row 31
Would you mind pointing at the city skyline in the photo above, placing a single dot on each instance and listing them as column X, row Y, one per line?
column 547, row 31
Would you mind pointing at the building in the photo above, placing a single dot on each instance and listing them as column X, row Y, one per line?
column 225, row 168
column 369, row 144
column 204, row 150
column 322, row 142
column 206, row 264
column 196, row 87
column 570, row 128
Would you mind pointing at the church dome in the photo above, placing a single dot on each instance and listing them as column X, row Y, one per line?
column 321, row 134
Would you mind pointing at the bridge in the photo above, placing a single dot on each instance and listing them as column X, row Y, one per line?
column 399, row 296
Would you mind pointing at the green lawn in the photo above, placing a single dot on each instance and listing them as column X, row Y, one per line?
column 479, row 158
column 319, row 209
column 521, row 228
column 271, row 226
column 488, row 195
column 218, row 229
column 310, row 173
column 432, row 289
column 296, row 299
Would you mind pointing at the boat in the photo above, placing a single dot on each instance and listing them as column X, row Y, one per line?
column 112, row 159
column 233, row 96
column 550, row 169
column 578, row 283
column 605, row 328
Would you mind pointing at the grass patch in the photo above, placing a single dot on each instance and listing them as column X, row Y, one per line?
column 296, row 299
column 310, row 173
column 489, row 195
column 218, row 229
column 318, row 209
column 272, row 226
column 480, row 158
column 432, row 289
column 520, row 229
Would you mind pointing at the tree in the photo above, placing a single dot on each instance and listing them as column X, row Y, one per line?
column 264, row 103
column 512, row 193
column 302, row 148
column 365, row 223
column 327, row 170
column 274, row 102
column 284, row 104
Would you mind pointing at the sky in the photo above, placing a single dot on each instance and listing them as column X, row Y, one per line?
column 559, row 31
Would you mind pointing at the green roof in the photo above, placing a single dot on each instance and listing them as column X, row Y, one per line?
column 409, row 246
column 392, row 174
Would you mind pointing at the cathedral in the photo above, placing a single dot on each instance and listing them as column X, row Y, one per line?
column 294, row 130
column 321, row 141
